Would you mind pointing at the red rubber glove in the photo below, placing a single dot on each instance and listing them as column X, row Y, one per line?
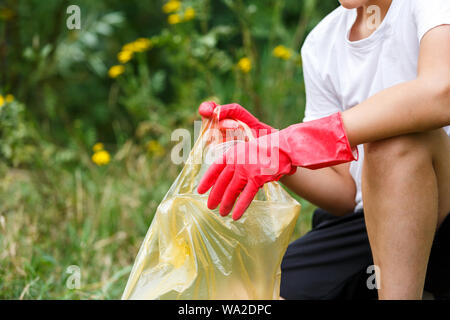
column 315, row 144
column 236, row 112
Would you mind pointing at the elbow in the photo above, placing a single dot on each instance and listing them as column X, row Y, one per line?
column 442, row 97
column 341, row 203
column 439, row 97
column 446, row 95
column 342, row 209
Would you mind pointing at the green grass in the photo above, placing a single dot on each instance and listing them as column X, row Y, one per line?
column 93, row 217
column 57, row 208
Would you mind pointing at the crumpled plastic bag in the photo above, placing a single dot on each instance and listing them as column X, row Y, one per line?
column 191, row 252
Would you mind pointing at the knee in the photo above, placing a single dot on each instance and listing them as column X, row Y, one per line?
column 411, row 149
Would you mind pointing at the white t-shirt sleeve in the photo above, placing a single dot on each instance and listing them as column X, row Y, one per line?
column 321, row 100
column 429, row 14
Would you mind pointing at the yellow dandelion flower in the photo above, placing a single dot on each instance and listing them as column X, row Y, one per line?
column 2, row 101
column 155, row 148
column 142, row 44
column 245, row 64
column 282, row 52
column 171, row 6
column 9, row 98
column 101, row 158
column 124, row 56
column 129, row 47
column 189, row 14
column 98, row 147
column 174, row 18
column 6, row 14
column 116, row 71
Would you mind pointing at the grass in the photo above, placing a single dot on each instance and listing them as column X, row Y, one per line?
column 59, row 210
column 91, row 217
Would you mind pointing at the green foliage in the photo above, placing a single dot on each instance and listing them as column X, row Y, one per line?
column 58, row 208
column 18, row 143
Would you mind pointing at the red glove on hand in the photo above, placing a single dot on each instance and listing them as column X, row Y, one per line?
column 246, row 167
column 235, row 112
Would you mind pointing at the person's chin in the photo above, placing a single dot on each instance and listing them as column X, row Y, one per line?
column 352, row 4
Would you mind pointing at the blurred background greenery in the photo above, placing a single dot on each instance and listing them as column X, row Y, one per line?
column 86, row 117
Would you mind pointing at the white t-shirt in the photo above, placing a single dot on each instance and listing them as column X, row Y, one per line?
column 340, row 73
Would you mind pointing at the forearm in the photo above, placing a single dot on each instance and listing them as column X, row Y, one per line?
column 415, row 106
column 409, row 107
column 331, row 189
column 419, row 105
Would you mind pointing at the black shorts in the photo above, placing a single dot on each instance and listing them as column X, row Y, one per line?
column 331, row 261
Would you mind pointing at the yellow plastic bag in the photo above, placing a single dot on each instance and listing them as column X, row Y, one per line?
column 191, row 252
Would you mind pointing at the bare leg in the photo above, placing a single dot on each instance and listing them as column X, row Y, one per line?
column 406, row 183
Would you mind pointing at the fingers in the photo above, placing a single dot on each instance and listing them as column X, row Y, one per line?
column 211, row 175
column 232, row 191
column 227, row 111
column 244, row 200
column 235, row 111
column 229, row 124
column 215, row 196
column 206, row 108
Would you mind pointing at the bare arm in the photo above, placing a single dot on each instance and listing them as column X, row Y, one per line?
column 331, row 189
column 419, row 105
